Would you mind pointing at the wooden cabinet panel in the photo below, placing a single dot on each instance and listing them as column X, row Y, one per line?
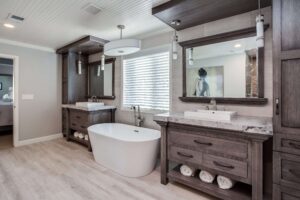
column 229, row 166
column 285, row 193
column 287, row 170
column 291, row 93
column 185, row 156
column 287, row 143
column 290, row 24
column 204, row 143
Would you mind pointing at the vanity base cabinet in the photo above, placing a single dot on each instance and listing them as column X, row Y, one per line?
column 232, row 154
column 79, row 120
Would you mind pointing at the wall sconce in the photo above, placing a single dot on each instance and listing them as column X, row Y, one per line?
column 259, row 28
column 174, row 47
column 79, row 64
column 98, row 70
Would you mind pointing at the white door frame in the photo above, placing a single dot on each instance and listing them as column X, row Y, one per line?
column 16, row 96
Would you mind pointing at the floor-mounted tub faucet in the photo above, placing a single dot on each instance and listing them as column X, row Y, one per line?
column 138, row 119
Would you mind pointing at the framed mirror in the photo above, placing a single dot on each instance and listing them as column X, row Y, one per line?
column 227, row 67
column 101, row 82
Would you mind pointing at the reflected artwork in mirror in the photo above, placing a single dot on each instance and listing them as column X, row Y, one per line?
column 101, row 80
column 227, row 67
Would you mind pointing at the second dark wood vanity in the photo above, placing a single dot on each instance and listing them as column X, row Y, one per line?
column 213, row 147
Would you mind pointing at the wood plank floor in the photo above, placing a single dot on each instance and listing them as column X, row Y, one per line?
column 60, row 170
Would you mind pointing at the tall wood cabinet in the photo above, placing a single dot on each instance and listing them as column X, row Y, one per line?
column 286, row 55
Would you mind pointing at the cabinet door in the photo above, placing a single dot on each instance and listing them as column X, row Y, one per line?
column 286, row 44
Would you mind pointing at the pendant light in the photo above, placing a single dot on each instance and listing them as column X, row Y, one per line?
column 259, row 28
column 174, row 47
column 191, row 55
column 122, row 46
column 102, row 62
column 79, row 64
column 98, row 70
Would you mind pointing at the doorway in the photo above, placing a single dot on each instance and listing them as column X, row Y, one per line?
column 8, row 101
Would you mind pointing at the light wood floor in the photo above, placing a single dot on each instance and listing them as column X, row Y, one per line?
column 60, row 170
column 6, row 141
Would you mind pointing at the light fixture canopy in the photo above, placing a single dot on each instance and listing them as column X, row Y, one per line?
column 122, row 46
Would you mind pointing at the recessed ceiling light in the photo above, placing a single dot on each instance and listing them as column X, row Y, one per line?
column 7, row 25
column 237, row 45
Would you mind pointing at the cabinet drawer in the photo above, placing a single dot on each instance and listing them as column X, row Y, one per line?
column 228, row 166
column 80, row 117
column 201, row 143
column 287, row 170
column 285, row 193
column 287, row 143
column 78, row 126
column 184, row 156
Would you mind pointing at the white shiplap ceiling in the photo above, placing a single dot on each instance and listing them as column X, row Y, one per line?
column 53, row 23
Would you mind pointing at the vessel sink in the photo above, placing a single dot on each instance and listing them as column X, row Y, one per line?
column 89, row 105
column 215, row 115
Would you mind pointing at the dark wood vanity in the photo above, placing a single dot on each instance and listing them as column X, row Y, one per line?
column 80, row 119
column 235, row 154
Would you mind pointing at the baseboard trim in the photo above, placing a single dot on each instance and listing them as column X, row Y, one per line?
column 40, row 139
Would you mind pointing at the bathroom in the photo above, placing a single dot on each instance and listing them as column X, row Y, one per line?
column 151, row 99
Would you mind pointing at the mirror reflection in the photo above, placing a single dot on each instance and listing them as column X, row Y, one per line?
column 101, row 80
column 225, row 69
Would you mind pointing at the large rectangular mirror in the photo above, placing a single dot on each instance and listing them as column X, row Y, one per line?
column 101, row 81
column 226, row 68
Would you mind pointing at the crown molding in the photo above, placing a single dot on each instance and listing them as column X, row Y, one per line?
column 26, row 45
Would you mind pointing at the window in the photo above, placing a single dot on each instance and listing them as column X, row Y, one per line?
column 146, row 81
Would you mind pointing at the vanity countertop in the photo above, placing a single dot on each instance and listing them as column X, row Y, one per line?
column 73, row 106
column 245, row 124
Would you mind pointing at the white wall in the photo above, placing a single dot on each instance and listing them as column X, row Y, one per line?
column 238, row 22
column 40, row 75
column 234, row 86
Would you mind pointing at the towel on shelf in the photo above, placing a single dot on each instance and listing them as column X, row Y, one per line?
column 81, row 135
column 187, row 170
column 76, row 134
column 225, row 183
column 86, row 137
column 206, row 176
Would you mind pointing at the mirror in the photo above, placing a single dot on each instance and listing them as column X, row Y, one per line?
column 101, row 81
column 224, row 68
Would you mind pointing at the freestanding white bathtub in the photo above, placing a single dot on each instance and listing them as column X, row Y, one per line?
column 128, row 150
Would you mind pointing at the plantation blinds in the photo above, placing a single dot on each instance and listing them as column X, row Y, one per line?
column 146, row 81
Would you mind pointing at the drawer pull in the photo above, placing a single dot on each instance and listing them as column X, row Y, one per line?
column 83, row 126
column 296, row 146
column 295, row 172
column 203, row 143
column 223, row 165
column 185, row 155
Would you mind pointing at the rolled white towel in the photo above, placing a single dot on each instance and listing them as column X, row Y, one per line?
column 187, row 171
column 206, row 176
column 76, row 134
column 225, row 183
column 81, row 136
column 86, row 137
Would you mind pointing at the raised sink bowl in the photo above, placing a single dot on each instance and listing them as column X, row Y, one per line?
column 213, row 115
column 89, row 105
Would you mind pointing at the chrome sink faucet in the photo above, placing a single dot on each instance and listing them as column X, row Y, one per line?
column 138, row 119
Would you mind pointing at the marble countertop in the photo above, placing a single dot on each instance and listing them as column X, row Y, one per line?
column 245, row 124
column 73, row 106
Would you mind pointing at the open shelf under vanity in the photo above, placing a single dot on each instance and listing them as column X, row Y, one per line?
column 239, row 191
